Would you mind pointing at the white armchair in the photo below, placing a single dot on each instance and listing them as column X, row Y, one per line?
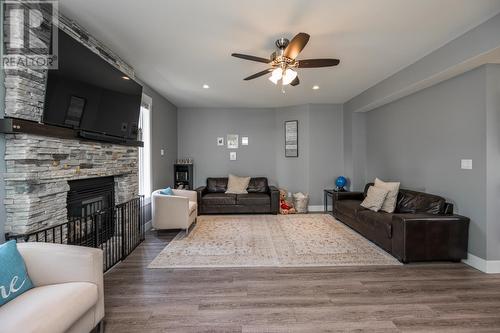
column 176, row 211
column 68, row 294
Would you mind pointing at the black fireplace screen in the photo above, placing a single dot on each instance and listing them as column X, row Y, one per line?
column 87, row 197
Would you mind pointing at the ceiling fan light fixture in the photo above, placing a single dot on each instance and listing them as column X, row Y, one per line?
column 276, row 75
column 274, row 79
column 289, row 76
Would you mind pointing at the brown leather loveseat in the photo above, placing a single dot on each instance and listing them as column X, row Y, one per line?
column 260, row 199
column 422, row 228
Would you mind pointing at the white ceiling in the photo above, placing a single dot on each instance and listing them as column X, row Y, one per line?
column 177, row 46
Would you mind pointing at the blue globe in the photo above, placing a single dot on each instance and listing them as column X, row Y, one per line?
column 340, row 181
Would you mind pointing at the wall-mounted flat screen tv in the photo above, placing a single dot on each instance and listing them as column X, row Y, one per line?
column 89, row 94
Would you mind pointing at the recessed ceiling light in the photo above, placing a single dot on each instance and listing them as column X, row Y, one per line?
column 206, row 86
column 125, row 78
column 315, row 87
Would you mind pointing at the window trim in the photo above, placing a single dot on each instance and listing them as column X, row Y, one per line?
column 147, row 102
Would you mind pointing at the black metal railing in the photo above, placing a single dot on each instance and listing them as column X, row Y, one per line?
column 115, row 230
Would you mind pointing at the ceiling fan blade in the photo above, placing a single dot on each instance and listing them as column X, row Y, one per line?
column 295, row 81
column 256, row 75
column 296, row 45
column 251, row 58
column 314, row 63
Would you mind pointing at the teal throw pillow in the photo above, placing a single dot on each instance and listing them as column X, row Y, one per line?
column 14, row 279
column 167, row 191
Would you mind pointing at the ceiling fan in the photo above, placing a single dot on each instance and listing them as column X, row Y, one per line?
column 283, row 62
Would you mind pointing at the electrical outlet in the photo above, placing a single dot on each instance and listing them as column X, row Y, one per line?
column 162, row 152
column 466, row 164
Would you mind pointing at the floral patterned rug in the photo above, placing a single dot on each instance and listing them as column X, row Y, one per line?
column 270, row 240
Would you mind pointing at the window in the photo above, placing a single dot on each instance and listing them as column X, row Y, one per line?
column 145, row 152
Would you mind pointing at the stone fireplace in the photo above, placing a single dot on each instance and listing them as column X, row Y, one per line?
column 38, row 168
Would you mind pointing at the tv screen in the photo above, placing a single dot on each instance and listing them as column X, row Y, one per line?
column 88, row 93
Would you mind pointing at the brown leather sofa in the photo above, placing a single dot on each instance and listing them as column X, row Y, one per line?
column 422, row 228
column 261, row 198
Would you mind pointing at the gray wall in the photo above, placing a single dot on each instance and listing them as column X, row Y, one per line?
column 493, row 161
column 320, row 145
column 198, row 132
column 354, row 147
column 163, row 136
column 420, row 139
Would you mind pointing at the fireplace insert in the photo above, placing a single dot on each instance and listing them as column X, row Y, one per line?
column 90, row 205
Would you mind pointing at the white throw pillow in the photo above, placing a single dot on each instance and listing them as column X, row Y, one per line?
column 237, row 185
column 391, row 199
column 375, row 197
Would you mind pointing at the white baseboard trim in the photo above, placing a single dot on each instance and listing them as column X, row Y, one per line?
column 486, row 266
column 318, row 208
column 148, row 225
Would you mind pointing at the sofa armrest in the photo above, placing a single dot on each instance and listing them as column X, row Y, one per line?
column 419, row 237
column 201, row 191
column 49, row 263
column 274, row 192
column 348, row 195
column 191, row 195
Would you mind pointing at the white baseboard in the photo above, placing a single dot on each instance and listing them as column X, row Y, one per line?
column 148, row 225
column 318, row 208
column 487, row 266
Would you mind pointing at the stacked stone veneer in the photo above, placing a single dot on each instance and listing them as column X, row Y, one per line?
column 38, row 168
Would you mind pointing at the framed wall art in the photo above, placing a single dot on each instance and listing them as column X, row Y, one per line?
column 232, row 141
column 292, row 138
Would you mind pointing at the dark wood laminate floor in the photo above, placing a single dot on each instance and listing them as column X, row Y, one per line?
column 445, row 297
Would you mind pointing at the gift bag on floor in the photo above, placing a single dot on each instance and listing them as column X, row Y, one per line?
column 301, row 201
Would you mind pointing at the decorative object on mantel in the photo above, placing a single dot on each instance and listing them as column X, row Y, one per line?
column 292, row 138
column 184, row 161
column 232, row 156
column 220, row 141
column 340, row 183
column 244, row 141
column 232, row 141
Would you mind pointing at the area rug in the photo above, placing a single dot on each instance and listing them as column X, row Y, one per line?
column 269, row 240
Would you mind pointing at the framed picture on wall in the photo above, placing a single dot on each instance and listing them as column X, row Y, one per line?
column 232, row 141
column 220, row 141
column 292, row 138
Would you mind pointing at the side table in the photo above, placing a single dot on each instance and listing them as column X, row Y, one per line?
column 332, row 194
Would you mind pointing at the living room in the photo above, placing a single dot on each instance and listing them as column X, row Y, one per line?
column 195, row 166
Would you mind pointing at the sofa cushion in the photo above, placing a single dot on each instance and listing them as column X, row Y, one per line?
column 216, row 185
column 419, row 202
column 237, row 185
column 391, row 199
column 48, row 309
column 258, row 185
column 14, row 279
column 253, row 199
column 375, row 198
column 219, row 199
column 348, row 207
column 377, row 220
